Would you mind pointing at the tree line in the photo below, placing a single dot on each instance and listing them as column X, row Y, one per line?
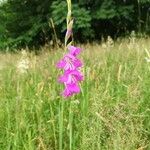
column 35, row 23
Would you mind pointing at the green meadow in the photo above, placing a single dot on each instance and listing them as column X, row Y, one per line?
column 112, row 112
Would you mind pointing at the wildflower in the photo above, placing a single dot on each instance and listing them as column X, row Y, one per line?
column 23, row 64
column 69, row 62
column 71, row 89
column 132, row 37
column 110, row 42
column 70, row 80
column 72, row 76
column 74, row 50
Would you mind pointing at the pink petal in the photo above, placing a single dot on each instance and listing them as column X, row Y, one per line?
column 63, row 78
column 71, row 62
column 61, row 64
column 67, row 93
column 74, row 88
column 69, row 66
column 77, row 75
column 74, row 60
column 78, row 63
column 71, row 89
column 67, row 78
column 74, row 50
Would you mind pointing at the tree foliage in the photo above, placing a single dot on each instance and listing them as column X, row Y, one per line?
column 27, row 23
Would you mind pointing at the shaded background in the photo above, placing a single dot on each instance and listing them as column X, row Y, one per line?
column 37, row 22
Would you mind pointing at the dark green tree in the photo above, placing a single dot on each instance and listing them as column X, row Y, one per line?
column 27, row 23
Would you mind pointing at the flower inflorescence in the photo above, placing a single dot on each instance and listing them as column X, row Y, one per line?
column 70, row 63
column 72, row 75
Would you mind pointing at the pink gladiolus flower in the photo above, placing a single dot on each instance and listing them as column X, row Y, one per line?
column 71, row 64
column 71, row 77
column 74, row 50
column 71, row 89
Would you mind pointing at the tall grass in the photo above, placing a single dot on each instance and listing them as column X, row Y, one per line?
column 111, row 113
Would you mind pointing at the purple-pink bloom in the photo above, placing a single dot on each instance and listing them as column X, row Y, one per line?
column 72, row 76
column 69, row 62
column 74, row 50
column 71, row 89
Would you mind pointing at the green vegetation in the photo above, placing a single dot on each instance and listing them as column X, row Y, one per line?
column 27, row 23
column 111, row 113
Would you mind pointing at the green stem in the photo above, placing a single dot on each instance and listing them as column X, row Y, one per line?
column 61, row 111
column 70, row 125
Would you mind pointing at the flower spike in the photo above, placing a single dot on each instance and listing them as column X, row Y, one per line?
column 70, row 63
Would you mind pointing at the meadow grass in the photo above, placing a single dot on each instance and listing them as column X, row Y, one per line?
column 111, row 113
